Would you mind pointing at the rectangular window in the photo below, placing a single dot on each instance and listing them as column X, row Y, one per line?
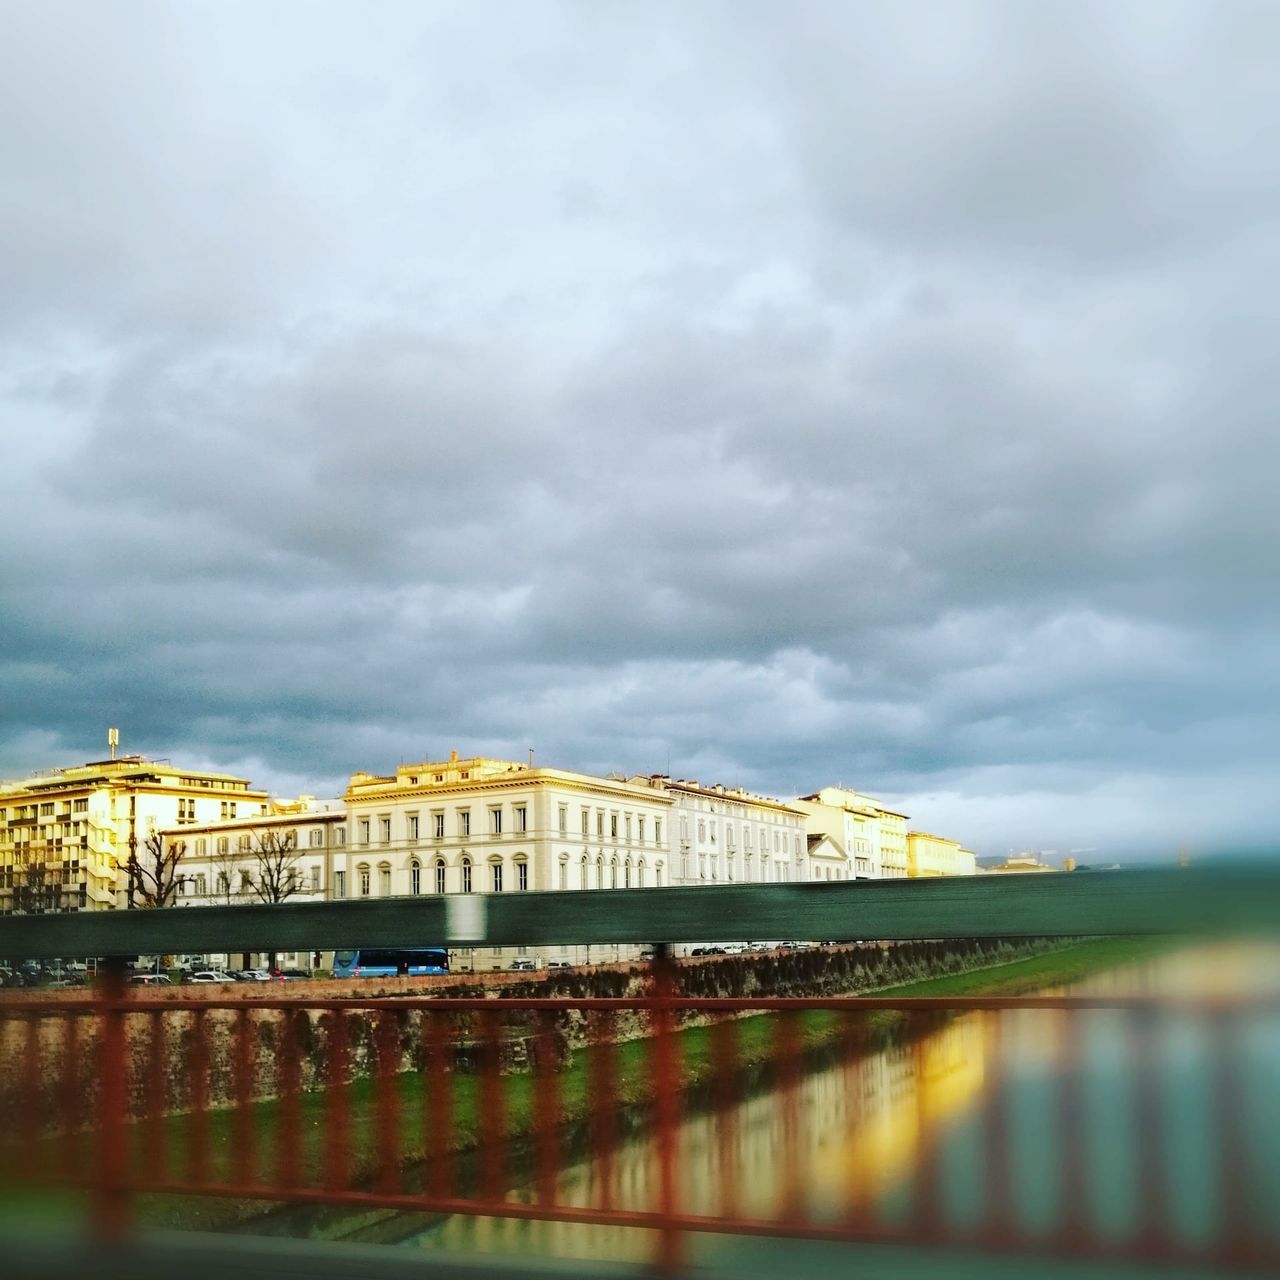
column 80, row 806
column 640, row 828
column 223, row 811
column 222, row 844
column 317, row 838
column 384, row 829
column 564, row 875
column 242, row 844
column 564, row 819
column 384, row 881
column 496, row 871
column 339, row 835
column 46, row 810
column 364, row 882
column 464, row 823
column 586, row 822
column 522, row 818
column 628, row 828
column 600, row 823
column 522, row 876
column 246, row 882
column 315, row 879
column 657, row 831
column 202, row 846
column 437, row 825
column 613, row 826
column 495, row 821
column 201, row 887
column 364, row 830
column 412, row 821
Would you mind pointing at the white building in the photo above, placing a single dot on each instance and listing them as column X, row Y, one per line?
column 872, row 836
column 726, row 835
column 482, row 825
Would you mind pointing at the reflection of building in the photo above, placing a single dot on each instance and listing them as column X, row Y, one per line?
column 930, row 855
column 66, row 835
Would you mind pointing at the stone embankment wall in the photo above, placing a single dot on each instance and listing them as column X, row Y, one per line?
column 54, row 1048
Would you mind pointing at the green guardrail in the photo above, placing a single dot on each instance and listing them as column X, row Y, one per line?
column 1219, row 900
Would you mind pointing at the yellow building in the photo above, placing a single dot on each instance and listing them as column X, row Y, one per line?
column 66, row 834
column 930, row 855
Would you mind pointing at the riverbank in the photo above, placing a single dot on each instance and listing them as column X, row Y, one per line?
column 756, row 1040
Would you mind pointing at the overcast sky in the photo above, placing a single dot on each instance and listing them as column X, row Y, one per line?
column 882, row 394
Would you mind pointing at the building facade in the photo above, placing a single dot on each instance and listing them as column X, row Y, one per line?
column 930, row 855
column 727, row 835
column 66, row 835
column 851, row 822
column 483, row 825
column 221, row 862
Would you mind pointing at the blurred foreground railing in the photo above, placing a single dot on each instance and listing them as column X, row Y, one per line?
column 515, row 1109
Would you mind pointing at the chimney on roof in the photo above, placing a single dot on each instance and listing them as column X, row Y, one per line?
column 453, row 757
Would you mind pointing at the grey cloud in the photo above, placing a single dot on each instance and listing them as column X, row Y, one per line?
column 882, row 396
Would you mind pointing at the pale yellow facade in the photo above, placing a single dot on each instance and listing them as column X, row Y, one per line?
column 483, row 825
column 930, row 855
column 874, row 836
column 66, row 834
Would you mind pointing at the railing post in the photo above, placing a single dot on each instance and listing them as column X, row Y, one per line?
column 666, row 1083
column 110, row 1209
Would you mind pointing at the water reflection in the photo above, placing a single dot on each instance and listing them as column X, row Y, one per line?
column 1041, row 1121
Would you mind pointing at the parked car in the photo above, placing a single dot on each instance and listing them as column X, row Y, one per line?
column 523, row 964
column 150, row 980
column 210, row 975
column 559, row 964
column 291, row 975
column 256, row 975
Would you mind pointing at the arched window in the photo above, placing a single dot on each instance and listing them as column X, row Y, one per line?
column 583, row 883
column 439, row 875
column 657, row 875
column 363, row 871
column 613, row 873
column 564, row 872
column 626, row 874
column 384, row 879
column 415, row 876
column 466, row 875
column 640, row 874
column 495, row 871
column 600, row 873
column 522, row 875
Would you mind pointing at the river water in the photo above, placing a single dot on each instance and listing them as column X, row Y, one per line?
column 852, row 1136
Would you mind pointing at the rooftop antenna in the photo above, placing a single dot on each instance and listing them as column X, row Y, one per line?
column 530, row 757
column 113, row 741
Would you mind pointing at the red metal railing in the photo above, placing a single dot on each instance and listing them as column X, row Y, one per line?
column 488, row 1107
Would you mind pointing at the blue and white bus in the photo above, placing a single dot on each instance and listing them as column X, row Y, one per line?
column 387, row 962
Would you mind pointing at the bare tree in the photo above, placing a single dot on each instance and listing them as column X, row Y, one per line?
column 277, row 866
column 275, row 854
column 153, row 873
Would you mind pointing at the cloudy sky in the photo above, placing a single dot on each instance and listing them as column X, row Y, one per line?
column 782, row 395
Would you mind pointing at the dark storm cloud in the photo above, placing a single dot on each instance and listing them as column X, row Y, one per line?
column 877, row 394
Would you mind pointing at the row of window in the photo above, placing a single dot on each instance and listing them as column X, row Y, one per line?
column 620, row 826
column 709, row 868
column 707, row 835
column 613, row 874
column 222, row 844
